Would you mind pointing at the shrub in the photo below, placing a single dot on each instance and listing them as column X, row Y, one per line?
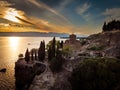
column 96, row 74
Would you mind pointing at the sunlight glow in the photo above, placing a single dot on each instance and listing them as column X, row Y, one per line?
column 14, row 41
column 11, row 15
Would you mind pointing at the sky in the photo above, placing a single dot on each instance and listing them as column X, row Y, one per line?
column 83, row 17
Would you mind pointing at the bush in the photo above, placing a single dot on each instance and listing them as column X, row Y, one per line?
column 96, row 74
column 56, row 64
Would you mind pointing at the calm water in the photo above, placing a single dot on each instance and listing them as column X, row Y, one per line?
column 10, row 48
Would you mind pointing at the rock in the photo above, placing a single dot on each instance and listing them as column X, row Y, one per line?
column 25, row 73
column 113, row 51
column 109, row 40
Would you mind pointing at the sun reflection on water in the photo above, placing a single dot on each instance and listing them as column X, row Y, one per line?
column 14, row 42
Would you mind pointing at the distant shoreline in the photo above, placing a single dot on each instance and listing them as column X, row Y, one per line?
column 36, row 34
column 32, row 34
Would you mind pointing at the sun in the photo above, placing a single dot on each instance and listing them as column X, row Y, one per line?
column 11, row 15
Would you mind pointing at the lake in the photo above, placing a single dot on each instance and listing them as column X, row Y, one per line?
column 10, row 48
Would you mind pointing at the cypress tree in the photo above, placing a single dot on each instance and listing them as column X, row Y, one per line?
column 43, row 46
column 41, row 51
column 61, row 44
column 32, row 53
column 58, row 45
column 27, row 56
column 104, row 27
column 35, row 55
column 49, row 53
column 53, row 47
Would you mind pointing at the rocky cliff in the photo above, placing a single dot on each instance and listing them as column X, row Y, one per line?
column 110, row 41
column 25, row 73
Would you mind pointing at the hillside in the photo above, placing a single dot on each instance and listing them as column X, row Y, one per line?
column 108, row 42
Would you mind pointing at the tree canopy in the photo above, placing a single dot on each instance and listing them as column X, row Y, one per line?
column 96, row 74
column 41, row 51
column 112, row 25
column 27, row 56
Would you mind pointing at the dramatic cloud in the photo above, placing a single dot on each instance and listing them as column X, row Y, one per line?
column 76, row 16
column 44, row 6
column 113, row 13
column 64, row 3
column 82, row 9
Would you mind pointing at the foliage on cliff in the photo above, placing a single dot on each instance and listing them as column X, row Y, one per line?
column 55, row 55
column 27, row 56
column 96, row 74
column 56, row 63
column 52, row 48
column 112, row 25
column 41, row 51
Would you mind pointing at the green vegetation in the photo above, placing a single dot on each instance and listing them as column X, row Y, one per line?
column 66, row 51
column 112, row 25
column 57, row 62
column 55, row 55
column 96, row 74
column 41, row 51
column 27, row 56
column 99, row 47
column 52, row 48
column 83, row 41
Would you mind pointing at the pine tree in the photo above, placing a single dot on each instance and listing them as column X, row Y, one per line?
column 112, row 25
column 104, row 27
column 27, row 56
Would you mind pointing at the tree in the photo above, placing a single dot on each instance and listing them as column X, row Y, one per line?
column 49, row 53
column 27, row 56
column 36, row 58
column 53, row 46
column 96, row 74
column 112, row 25
column 51, row 49
column 41, row 51
column 104, row 27
column 57, row 62
column 61, row 44
column 32, row 55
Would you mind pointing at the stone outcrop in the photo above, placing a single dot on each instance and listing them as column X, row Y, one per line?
column 25, row 73
column 109, row 40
